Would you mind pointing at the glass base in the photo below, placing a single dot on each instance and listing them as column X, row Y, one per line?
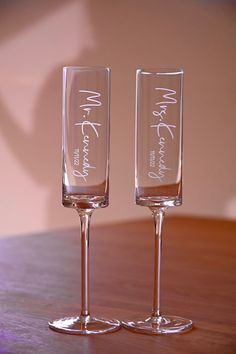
column 84, row 325
column 159, row 325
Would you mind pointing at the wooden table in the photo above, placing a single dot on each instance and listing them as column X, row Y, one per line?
column 40, row 280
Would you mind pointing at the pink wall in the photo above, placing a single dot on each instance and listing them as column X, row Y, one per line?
column 38, row 38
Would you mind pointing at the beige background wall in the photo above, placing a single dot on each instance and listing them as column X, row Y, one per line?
column 38, row 37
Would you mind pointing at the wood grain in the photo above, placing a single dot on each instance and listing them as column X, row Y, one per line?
column 40, row 281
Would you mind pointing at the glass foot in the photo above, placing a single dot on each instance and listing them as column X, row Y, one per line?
column 84, row 325
column 159, row 325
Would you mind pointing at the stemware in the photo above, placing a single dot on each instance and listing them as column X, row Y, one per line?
column 158, row 173
column 85, row 152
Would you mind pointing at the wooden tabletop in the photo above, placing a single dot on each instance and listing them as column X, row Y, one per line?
column 40, row 281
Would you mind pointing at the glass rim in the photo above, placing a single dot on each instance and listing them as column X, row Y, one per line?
column 86, row 68
column 160, row 71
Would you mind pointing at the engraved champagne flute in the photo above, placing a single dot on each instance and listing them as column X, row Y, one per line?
column 158, row 173
column 85, row 152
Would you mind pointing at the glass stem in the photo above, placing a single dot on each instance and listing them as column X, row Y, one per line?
column 158, row 215
column 85, row 216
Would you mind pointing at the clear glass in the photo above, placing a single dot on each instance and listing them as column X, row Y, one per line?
column 158, row 173
column 85, row 165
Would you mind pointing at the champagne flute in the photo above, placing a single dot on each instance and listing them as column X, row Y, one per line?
column 85, row 151
column 158, row 173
